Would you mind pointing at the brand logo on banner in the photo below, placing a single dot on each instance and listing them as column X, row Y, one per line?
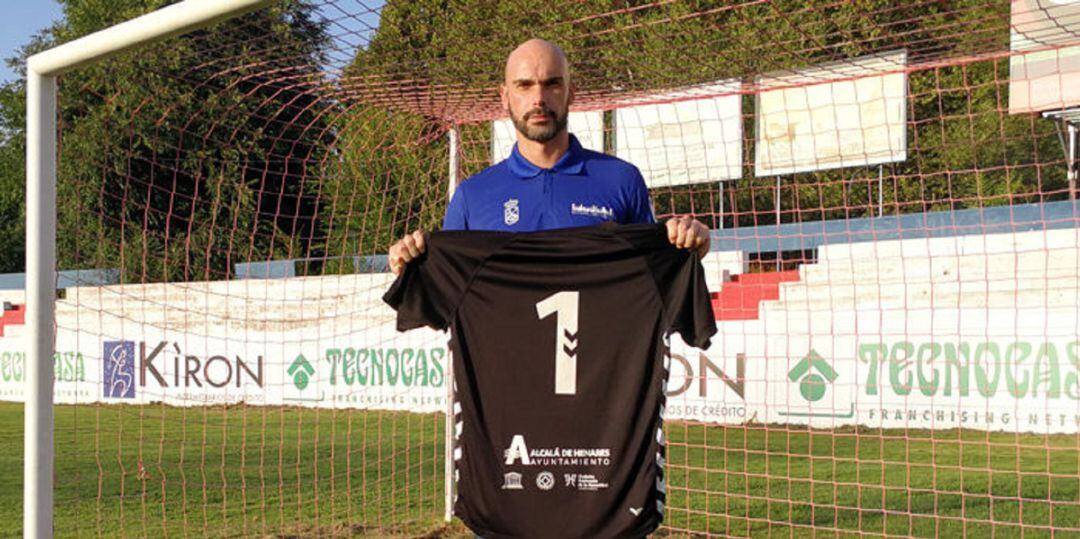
column 304, row 375
column 813, row 378
column 391, row 366
column 397, row 377
column 301, row 371
column 185, row 370
column 118, row 370
column 685, row 375
column 704, row 388
column 190, row 370
column 814, row 375
column 12, row 366
column 1034, row 370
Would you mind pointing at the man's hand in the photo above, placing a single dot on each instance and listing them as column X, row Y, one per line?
column 685, row 232
column 405, row 250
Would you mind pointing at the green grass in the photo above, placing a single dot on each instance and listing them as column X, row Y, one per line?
column 781, row 481
column 232, row 472
column 287, row 472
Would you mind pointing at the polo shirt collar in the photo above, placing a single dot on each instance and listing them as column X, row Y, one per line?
column 570, row 163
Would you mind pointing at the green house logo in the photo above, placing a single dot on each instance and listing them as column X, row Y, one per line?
column 813, row 374
column 301, row 371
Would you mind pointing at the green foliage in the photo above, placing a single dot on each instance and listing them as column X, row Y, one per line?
column 392, row 165
column 12, row 185
column 964, row 150
column 183, row 157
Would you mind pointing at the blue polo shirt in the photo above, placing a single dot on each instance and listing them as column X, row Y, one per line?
column 583, row 188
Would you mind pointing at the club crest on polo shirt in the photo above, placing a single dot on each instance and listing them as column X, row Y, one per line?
column 511, row 213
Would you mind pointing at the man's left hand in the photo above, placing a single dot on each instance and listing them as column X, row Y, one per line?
column 685, row 232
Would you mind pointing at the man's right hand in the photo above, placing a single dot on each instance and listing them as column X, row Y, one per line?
column 405, row 250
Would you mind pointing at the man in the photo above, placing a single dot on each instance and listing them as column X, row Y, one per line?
column 549, row 181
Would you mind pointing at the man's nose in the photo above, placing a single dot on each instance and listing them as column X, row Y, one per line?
column 536, row 95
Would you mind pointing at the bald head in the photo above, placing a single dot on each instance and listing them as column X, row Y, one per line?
column 536, row 53
column 536, row 91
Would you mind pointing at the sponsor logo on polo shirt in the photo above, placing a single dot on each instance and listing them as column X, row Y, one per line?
column 592, row 210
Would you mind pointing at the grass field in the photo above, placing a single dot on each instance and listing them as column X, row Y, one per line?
column 286, row 472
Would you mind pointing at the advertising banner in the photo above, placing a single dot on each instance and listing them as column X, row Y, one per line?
column 912, row 347
column 844, row 114
column 1044, row 69
column 684, row 137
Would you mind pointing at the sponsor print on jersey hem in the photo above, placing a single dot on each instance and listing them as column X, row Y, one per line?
column 584, row 482
column 545, row 480
column 592, row 210
column 512, row 481
column 518, row 452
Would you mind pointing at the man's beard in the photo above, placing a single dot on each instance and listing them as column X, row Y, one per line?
column 540, row 133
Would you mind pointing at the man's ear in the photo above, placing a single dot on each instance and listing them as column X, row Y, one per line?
column 503, row 97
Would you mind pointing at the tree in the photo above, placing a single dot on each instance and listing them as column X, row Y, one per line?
column 964, row 151
column 179, row 159
column 12, row 186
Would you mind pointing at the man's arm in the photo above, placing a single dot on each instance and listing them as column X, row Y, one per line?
column 685, row 232
column 405, row 250
column 410, row 247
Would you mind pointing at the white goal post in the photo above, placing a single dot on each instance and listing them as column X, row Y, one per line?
column 41, row 125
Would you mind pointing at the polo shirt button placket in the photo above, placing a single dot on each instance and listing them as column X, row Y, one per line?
column 549, row 190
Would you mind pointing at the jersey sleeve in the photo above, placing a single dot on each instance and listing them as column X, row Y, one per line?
column 689, row 304
column 428, row 292
column 680, row 280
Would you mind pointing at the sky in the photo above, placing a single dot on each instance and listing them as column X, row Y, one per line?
column 22, row 19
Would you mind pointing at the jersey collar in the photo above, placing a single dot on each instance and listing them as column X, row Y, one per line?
column 570, row 163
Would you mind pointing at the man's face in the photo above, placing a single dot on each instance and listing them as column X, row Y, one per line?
column 537, row 94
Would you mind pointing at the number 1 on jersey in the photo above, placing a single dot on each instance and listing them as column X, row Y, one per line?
column 565, row 306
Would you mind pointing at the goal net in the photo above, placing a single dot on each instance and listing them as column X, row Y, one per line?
column 894, row 267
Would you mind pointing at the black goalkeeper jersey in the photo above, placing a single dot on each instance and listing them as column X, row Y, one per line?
column 558, row 343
